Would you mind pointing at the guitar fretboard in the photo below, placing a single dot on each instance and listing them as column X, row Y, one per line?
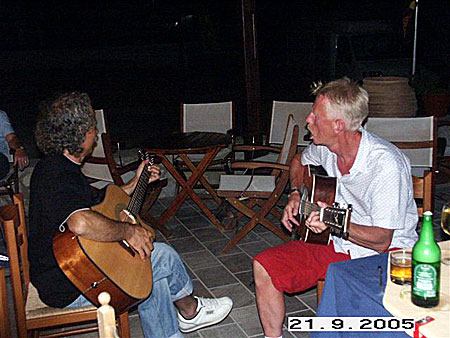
column 135, row 204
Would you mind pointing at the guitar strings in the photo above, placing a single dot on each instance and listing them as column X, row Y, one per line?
column 139, row 192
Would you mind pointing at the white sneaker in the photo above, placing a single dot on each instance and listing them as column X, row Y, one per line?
column 210, row 311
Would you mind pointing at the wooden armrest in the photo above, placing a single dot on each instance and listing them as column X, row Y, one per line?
column 256, row 165
column 96, row 160
column 414, row 145
column 245, row 147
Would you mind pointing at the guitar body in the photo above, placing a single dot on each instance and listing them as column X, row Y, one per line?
column 94, row 267
column 318, row 188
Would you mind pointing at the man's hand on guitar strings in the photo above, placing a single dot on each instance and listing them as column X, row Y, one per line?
column 291, row 211
column 141, row 241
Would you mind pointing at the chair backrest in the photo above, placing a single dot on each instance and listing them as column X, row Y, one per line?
column 100, row 165
column 414, row 135
column 210, row 117
column 423, row 192
column 280, row 112
column 290, row 141
column 12, row 217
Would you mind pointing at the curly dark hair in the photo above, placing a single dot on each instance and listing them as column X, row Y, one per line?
column 63, row 124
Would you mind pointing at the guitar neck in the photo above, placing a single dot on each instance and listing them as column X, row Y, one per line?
column 138, row 198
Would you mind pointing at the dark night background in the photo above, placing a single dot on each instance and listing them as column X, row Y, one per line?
column 139, row 60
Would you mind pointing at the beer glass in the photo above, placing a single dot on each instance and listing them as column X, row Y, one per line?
column 401, row 266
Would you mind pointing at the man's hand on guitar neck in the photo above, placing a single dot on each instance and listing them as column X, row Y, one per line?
column 141, row 240
column 313, row 222
column 290, row 213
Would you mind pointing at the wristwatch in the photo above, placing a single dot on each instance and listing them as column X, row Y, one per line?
column 294, row 190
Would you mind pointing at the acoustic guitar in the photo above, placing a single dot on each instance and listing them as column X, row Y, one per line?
column 94, row 267
column 321, row 188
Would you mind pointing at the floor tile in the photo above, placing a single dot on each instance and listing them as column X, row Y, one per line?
column 237, row 263
column 231, row 330
column 200, row 259
column 200, row 290
column 246, row 279
column 208, row 234
column 216, row 276
column 186, row 245
column 196, row 222
column 216, row 248
column 254, row 248
column 237, row 292
column 248, row 320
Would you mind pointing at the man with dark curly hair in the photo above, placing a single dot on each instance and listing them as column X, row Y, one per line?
column 61, row 198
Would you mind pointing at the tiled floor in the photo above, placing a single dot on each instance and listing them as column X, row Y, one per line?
column 215, row 274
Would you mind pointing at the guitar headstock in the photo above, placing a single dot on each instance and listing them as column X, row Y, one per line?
column 337, row 218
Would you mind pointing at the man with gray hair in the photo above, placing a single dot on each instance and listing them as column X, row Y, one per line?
column 372, row 175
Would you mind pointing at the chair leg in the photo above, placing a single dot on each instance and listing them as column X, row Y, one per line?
column 123, row 322
column 320, row 285
column 256, row 218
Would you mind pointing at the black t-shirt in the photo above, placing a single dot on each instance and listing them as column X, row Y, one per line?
column 58, row 188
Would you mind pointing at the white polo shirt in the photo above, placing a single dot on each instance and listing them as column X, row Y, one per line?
column 379, row 188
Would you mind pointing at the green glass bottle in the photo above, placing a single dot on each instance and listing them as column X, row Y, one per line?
column 426, row 266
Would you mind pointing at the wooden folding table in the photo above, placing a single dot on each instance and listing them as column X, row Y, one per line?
column 182, row 144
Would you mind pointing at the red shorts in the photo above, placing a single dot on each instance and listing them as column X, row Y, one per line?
column 296, row 265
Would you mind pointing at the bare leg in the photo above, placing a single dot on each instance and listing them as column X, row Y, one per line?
column 270, row 302
column 187, row 306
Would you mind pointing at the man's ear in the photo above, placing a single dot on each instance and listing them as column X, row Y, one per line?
column 339, row 126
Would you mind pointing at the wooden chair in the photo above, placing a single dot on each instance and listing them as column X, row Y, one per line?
column 9, row 185
column 208, row 117
column 32, row 315
column 256, row 196
column 422, row 187
column 417, row 138
column 106, row 317
column 280, row 113
column 101, row 167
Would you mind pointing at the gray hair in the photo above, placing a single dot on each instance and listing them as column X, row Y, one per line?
column 346, row 100
column 63, row 124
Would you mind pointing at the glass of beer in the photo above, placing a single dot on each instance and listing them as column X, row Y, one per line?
column 401, row 266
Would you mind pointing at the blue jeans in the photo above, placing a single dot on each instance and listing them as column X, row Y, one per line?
column 171, row 282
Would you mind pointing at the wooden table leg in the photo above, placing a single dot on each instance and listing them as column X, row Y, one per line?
column 203, row 180
column 187, row 187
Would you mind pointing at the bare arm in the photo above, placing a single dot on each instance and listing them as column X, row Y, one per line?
column 155, row 175
column 296, row 179
column 92, row 225
column 20, row 156
column 371, row 237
